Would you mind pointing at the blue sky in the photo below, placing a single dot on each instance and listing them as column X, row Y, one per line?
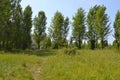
column 69, row 8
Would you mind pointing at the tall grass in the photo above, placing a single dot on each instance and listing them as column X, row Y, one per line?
column 17, row 66
column 55, row 65
column 85, row 65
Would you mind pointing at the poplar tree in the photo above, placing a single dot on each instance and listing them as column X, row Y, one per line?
column 56, row 30
column 79, row 26
column 102, row 25
column 40, row 27
column 117, row 29
column 65, row 31
column 27, row 25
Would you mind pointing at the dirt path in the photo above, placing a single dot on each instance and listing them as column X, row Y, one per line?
column 36, row 73
column 36, row 70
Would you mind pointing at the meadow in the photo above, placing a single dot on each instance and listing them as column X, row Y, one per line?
column 55, row 65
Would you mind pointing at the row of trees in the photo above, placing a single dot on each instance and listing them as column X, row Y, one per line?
column 93, row 28
column 16, row 24
column 58, row 30
column 98, row 26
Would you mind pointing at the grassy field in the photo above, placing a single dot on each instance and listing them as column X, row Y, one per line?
column 54, row 65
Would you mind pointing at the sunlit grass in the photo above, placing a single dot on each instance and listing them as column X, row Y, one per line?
column 86, row 65
column 55, row 65
column 17, row 66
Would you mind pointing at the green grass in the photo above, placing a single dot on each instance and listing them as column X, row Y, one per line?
column 54, row 65
column 18, row 66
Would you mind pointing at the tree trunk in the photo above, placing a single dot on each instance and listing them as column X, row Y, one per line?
column 0, row 45
column 92, row 44
column 102, row 43
column 38, row 43
column 3, row 45
column 79, row 43
column 79, row 46
column 118, row 45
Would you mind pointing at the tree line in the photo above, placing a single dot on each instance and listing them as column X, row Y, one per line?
column 94, row 28
column 15, row 25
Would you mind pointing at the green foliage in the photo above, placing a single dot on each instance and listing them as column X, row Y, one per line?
column 5, row 14
column 92, row 34
column 98, row 26
column 18, row 23
column 69, row 51
column 15, row 25
column 117, row 29
column 65, row 31
column 55, row 45
column 5, row 6
column 102, row 25
column 40, row 26
column 47, row 42
column 27, row 25
column 79, row 26
column 56, row 29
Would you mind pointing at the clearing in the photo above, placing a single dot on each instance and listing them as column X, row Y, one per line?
column 54, row 65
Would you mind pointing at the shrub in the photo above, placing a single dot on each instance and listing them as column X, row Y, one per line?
column 69, row 51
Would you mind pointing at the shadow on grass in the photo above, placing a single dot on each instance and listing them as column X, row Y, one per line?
column 45, row 52
column 41, row 52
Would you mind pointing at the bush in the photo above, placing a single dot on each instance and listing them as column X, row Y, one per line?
column 69, row 51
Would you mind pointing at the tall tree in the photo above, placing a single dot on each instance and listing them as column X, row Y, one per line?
column 10, row 8
column 5, row 7
column 40, row 26
column 13, row 25
column 102, row 25
column 56, row 29
column 18, row 26
column 27, row 25
column 65, row 31
column 91, row 34
column 79, row 26
column 117, row 29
